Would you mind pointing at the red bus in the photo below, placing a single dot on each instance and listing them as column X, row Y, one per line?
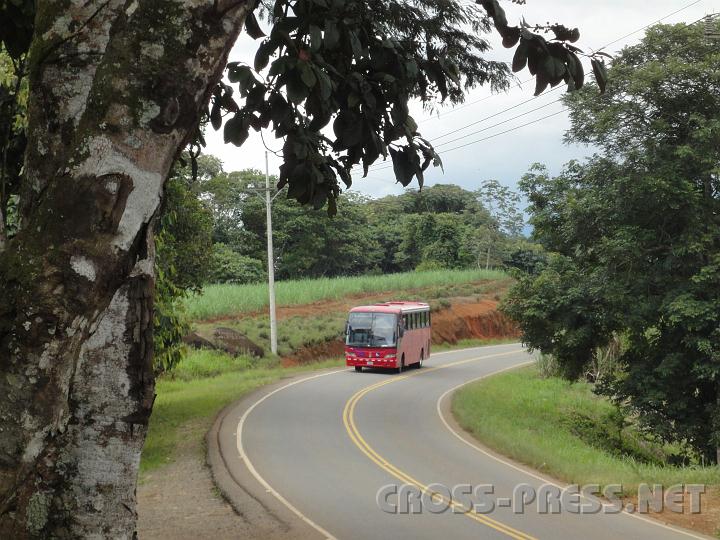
column 391, row 335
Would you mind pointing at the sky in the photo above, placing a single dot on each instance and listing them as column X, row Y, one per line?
column 504, row 157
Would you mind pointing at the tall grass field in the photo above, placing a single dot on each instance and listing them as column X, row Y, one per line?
column 220, row 300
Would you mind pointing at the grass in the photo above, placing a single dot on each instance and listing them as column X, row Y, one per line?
column 220, row 300
column 203, row 384
column 206, row 381
column 526, row 417
column 470, row 343
column 302, row 331
column 293, row 332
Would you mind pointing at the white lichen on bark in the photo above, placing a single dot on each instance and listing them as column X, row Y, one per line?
column 104, row 452
column 83, row 267
column 107, row 116
column 106, row 159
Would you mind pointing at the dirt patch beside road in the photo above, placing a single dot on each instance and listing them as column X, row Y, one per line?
column 467, row 319
column 471, row 320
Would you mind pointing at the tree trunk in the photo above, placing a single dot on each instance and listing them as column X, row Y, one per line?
column 116, row 89
column 3, row 237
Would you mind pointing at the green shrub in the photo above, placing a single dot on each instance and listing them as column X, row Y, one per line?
column 228, row 266
column 547, row 366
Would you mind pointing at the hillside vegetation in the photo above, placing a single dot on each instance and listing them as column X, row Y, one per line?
column 229, row 299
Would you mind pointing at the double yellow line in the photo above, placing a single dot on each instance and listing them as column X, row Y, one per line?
column 361, row 443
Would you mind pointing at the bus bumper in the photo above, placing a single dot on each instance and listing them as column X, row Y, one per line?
column 389, row 363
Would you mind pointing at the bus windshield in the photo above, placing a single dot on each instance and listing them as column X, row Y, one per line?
column 371, row 330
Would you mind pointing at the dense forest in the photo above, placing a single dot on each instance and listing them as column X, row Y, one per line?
column 213, row 230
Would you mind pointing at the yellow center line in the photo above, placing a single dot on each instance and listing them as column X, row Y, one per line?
column 362, row 444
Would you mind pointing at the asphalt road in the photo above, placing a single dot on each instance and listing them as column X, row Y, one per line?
column 321, row 448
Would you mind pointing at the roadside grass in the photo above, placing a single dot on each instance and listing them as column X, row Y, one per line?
column 302, row 331
column 293, row 332
column 297, row 332
column 533, row 420
column 220, row 300
column 204, row 382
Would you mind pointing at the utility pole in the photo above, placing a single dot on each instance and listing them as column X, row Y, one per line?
column 271, row 259
column 711, row 28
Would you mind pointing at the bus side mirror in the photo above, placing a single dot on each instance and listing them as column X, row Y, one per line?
column 347, row 327
column 401, row 331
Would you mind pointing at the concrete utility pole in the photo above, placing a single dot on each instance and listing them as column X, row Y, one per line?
column 711, row 29
column 271, row 259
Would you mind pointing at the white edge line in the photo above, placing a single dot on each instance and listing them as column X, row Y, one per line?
column 244, row 457
column 527, row 472
column 254, row 472
column 451, row 351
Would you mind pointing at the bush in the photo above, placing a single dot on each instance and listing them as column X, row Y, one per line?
column 429, row 266
column 228, row 266
column 613, row 433
column 547, row 366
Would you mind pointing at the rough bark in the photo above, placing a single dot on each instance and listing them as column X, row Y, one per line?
column 116, row 89
column 3, row 237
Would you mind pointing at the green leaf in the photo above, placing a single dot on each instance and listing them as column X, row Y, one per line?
column 307, row 75
column 216, row 115
column 600, row 72
column 576, row 70
column 510, row 37
column 240, row 74
column 520, row 57
column 541, row 82
column 262, row 56
column 402, row 166
column 297, row 90
column 356, row 46
column 324, row 83
column 554, row 63
column 332, row 34
column 348, row 129
column 411, row 125
column 236, row 130
column 315, row 38
column 253, row 27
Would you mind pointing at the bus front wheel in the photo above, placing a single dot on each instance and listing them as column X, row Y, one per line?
column 358, row 368
column 402, row 364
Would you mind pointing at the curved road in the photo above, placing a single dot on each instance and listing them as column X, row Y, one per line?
column 323, row 446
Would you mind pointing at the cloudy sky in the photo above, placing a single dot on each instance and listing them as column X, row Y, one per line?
column 504, row 157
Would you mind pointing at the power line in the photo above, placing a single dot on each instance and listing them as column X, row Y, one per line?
column 388, row 166
column 454, row 131
column 506, row 131
column 465, row 105
column 434, row 139
column 514, row 128
column 499, row 123
column 652, row 23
